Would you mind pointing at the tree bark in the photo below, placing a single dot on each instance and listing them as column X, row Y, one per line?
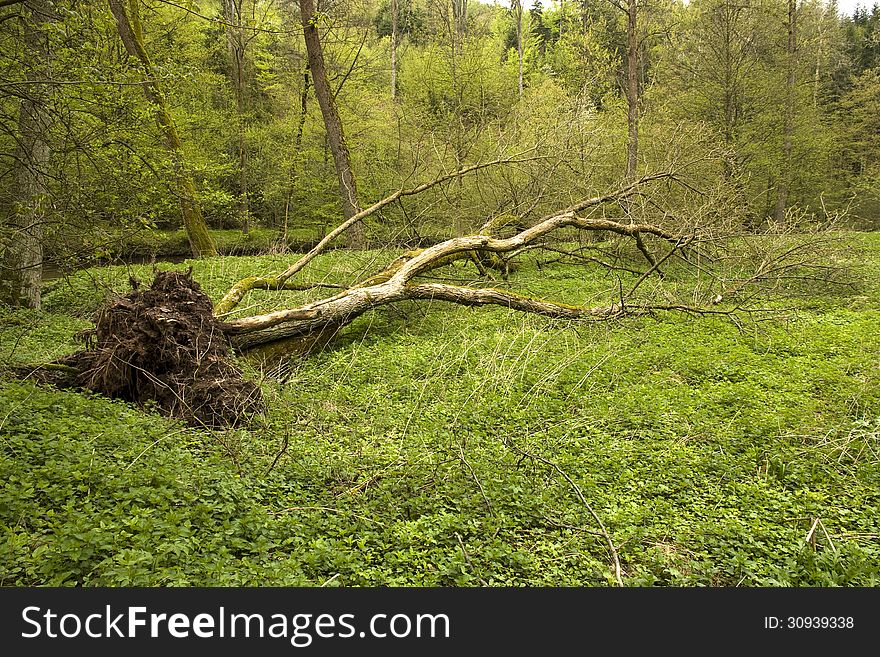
column 131, row 33
column 783, row 187
column 332, row 122
column 22, row 264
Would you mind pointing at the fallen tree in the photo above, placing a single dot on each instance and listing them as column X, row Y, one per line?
column 397, row 282
column 406, row 278
column 168, row 346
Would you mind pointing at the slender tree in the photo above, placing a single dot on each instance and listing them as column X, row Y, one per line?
column 332, row 122
column 395, row 16
column 238, row 43
column 518, row 14
column 459, row 15
column 131, row 33
column 630, row 9
column 297, row 147
column 632, row 89
column 783, row 187
column 719, row 56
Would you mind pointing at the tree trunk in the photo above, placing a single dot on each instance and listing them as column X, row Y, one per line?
column 22, row 264
column 518, row 10
column 332, row 122
column 297, row 146
column 397, row 282
column 459, row 15
column 632, row 89
column 237, row 51
column 395, row 11
column 730, row 94
column 131, row 33
column 783, row 188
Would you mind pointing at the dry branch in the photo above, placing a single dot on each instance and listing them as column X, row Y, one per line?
column 234, row 296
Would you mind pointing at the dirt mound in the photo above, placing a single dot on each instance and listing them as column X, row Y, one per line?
column 163, row 346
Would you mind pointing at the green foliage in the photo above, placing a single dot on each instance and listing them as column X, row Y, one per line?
column 863, row 37
column 860, row 153
column 411, row 20
column 139, row 502
column 458, row 104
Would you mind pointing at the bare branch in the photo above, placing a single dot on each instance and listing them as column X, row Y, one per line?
column 234, row 296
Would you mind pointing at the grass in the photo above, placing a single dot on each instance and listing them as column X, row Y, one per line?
column 708, row 452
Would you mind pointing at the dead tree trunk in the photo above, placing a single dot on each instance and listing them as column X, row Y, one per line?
column 397, row 282
column 341, row 309
column 131, row 33
column 404, row 278
column 335, row 135
column 22, row 263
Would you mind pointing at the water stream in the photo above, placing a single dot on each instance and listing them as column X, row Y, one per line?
column 52, row 271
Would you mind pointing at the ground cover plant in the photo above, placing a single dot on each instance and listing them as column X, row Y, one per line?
column 436, row 445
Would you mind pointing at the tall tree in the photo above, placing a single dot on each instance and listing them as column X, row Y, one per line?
column 718, row 61
column 22, row 264
column 783, row 186
column 630, row 9
column 238, row 43
column 518, row 14
column 297, row 147
column 632, row 89
column 130, row 30
column 395, row 15
column 459, row 15
column 332, row 122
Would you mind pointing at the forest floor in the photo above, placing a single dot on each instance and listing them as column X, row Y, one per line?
column 441, row 446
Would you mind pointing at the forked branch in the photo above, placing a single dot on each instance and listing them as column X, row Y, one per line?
column 234, row 296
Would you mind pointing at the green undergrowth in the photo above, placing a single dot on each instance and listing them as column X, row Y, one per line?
column 428, row 448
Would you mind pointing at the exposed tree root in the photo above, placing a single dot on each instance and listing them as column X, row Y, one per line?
column 163, row 346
